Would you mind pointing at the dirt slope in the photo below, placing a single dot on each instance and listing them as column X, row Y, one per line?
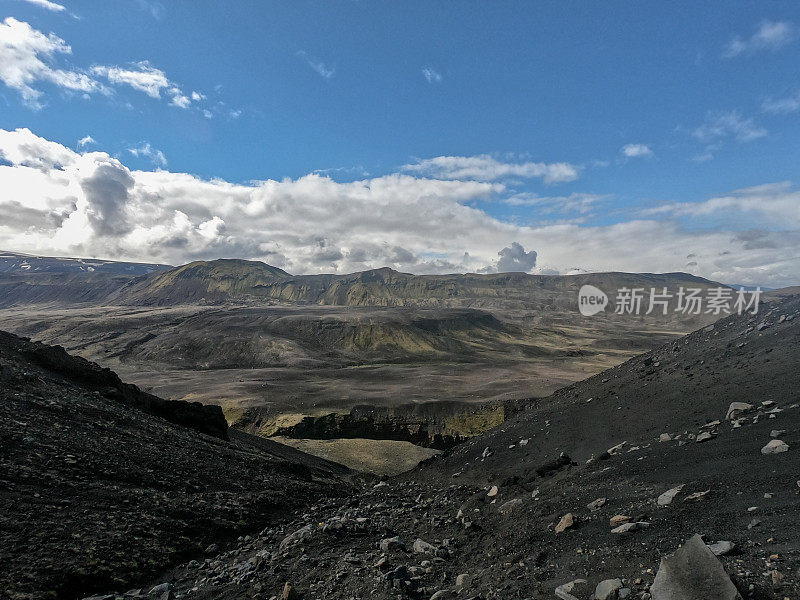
column 98, row 491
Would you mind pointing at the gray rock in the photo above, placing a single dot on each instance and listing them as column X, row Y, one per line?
column 462, row 580
column 564, row 591
column 722, row 547
column 704, row 437
column 442, row 594
column 737, row 408
column 296, row 537
column 510, row 506
column 630, row 527
column 596, row 504
column 160, row 589
column 665, row 437
column 614, row 449
column 697, row 496
column 392, row 543
column 668, row 496
column 693, row 573
column 607, row 589
column 423, row 547
column 775, row 447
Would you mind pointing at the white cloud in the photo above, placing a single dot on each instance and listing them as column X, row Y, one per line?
column 23, row 148
column 487, row 168
column 141, row 77
column 145, row 78
column 786, row 105
column 323, row 70
column 731, row 124
column 431, row 75
column 513, row 259
column 89, row 204
column 156, row 9
column 774, row 205
column 26, row 55
column 181, row 101
column 86, row 141
column 770, row 35
column 147, row 151
column 47, row 5
column 634, row 150
column 575, row 203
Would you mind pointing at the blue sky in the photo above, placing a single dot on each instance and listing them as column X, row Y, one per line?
column 652, row 109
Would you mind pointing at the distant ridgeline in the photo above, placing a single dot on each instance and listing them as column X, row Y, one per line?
column 27, row 280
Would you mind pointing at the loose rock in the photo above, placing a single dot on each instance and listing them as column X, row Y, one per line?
column 775, row 447
column 607, row 589
column 668, row 496
column 565, row 523
column 693, row 573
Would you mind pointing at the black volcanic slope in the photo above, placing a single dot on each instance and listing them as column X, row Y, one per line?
column 460, row 537
column 103, row 486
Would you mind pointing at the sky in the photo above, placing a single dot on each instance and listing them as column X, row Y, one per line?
column 430, row 137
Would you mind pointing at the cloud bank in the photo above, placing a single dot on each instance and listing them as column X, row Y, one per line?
column 55, row 200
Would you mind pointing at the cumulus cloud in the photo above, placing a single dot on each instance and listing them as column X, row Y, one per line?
column 514, row 258
column 66, row 202
column 26, row 55
column 634, row 150
column 431, row 75
column 770, row 35
column 484, row 167
column 47, row 5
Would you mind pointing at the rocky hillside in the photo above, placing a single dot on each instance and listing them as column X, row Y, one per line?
column 103, row 486
column 237, row 280
column 671, row 477
column 241, row 281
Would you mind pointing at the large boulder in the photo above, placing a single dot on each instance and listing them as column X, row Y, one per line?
column 693, row 573
column 775, row 447
column 736, row 409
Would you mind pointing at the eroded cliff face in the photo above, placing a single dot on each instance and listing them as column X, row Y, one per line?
column 438, row 425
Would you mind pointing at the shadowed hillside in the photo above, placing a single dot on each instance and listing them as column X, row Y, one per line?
column 104, row 486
